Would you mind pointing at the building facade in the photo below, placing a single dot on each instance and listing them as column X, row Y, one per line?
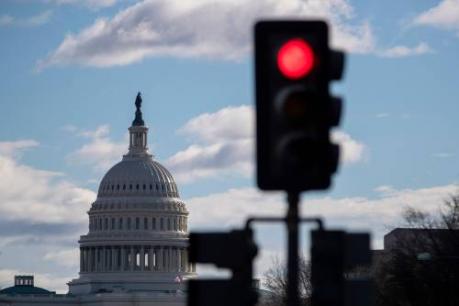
column 135, row 252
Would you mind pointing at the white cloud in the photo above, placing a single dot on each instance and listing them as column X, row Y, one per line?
column 67, row 258
column 352, row 151
column 200, row 28
column 443, row 155
column 101, row 152
column 445, row 15
column 404, row 51
column 224, row 143
column 38, row 196
column 44, row 280
column 15, row 148
column 32, row 21
column 231, row 208
column 91, row 4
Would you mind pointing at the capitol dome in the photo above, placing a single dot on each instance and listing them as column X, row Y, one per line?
column 140, row 176
column 138, row 233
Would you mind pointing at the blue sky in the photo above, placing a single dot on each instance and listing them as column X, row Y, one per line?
column 71, row 70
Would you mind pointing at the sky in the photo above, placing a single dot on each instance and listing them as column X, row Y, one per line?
column 70, row 71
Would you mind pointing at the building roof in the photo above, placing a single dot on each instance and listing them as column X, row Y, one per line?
column 21, row 290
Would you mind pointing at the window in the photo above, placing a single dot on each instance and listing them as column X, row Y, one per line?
column 124, row 186
column 161, row 224
column 100, row 223
column 175, row 224
column 129, row 223
column 118, row 187
column 144, row 186
column 106, row 223
column 120, row 224
column 113, row 223
column 145, row 223
column 130, row 186
column 151, row 186
column 137, row 223
column 153, row 225
column 137, row 186
column 168, row 224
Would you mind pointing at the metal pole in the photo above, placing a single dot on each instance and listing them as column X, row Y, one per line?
column 292, row 259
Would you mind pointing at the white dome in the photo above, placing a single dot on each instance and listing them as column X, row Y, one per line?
column 137, row 177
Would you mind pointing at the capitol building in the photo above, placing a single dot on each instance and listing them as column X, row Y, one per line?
column 136, row 249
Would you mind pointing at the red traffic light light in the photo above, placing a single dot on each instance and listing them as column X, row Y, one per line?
column 295, row 59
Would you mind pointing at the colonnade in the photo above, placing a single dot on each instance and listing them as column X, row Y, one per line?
column 134, row 258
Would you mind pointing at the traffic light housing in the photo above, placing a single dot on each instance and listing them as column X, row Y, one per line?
column 295, row 112
column 235, row 251
column 335, row 255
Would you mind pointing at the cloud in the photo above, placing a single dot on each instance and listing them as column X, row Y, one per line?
column 352, row 151
column 445, row 15
column 38, row 198
column 201, row 28
column 32, row 21
column 223, row 145
column 443, row 155
column 67, row 258
column 404, row 51
column 231, row 208
column 91, row 4
column 15, row 148
column 101, row 152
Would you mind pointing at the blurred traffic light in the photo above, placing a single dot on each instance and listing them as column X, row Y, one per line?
column 340, row 265
column 235, row 251
column 295, row 112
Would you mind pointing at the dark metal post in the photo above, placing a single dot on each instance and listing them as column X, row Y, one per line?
column 292, row 258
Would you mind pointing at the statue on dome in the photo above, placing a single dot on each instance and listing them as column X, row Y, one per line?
column 138, row 101
column 138, row 121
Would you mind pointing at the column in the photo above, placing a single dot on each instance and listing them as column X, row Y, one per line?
column 103, row 259
column 113, row 258
column 123, row 258
column 142, row 258
column 174, row 259
column 150, row 258
column 186, row 261
column 159, row 264
column 81, row 259
column 133, row 259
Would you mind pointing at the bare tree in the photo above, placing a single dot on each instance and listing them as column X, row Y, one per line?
column 424, row 267
column 275, row 282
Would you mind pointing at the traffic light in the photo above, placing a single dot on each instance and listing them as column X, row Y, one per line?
column 335, row 281
column 235, row 251
column 295, row 111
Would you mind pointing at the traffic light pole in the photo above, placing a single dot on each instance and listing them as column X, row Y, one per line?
column 292, row 221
